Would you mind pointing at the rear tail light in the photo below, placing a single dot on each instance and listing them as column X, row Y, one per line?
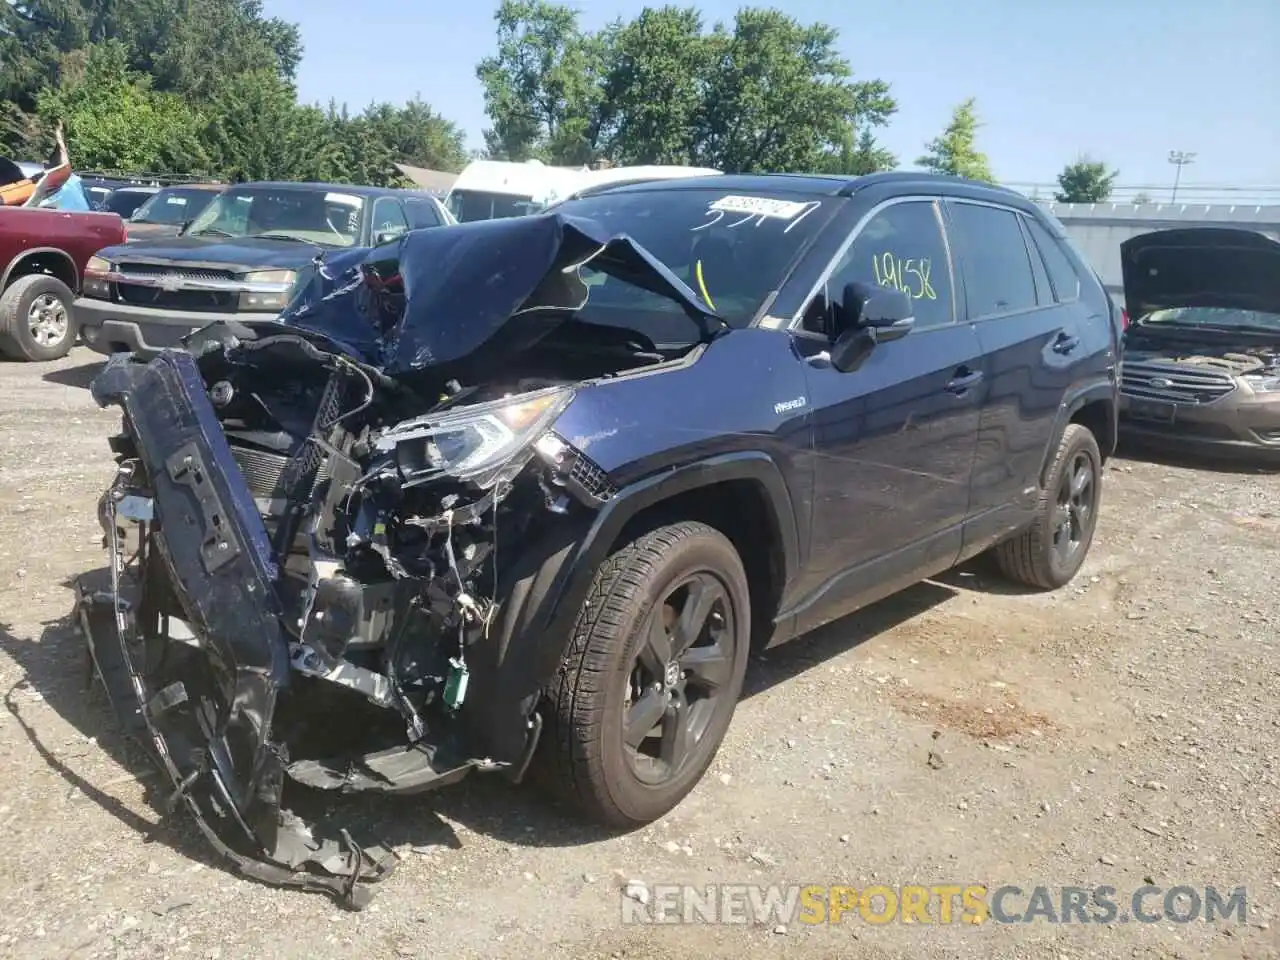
column 1124, row 319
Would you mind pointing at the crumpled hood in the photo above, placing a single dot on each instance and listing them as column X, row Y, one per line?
column 438, row 296
column 1200, row 267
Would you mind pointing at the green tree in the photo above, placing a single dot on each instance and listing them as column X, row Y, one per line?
column 255, row 130
column 858, row 155
column 187, row 46
column 766, row 93
column 113, row 119
column 654, row 88
column 542, row 88
column 955, row 151
column 418, row 135
column 779, row 96
column 1085, row 181
column 194, row 46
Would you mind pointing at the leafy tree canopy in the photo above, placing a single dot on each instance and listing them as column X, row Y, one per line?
column 765, row 93
column 193, row 87
column 955, row 151
column 1085, row 181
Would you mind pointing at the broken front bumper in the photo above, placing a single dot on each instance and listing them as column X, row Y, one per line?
column 205, row 710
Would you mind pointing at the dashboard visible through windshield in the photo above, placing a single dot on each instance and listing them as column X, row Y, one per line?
column 326, row 217
column 732, row 250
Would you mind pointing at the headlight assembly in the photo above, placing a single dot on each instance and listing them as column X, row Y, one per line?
column 95, row 282
column 1263, row 384
column 483, row 443
column 267, row 289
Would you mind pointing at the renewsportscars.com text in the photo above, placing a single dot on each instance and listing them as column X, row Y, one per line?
column 814, row 904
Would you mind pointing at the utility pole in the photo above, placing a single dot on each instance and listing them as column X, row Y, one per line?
column 1179, row 158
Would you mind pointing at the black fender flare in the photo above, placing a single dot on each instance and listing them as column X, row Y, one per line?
column 541, row 593
column 1091, row 392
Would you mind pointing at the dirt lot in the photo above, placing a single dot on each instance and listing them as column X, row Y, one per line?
column 1123, row 731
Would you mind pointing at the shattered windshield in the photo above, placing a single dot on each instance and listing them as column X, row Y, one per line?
column 732, row 250
column 1214, row 317
column 306, row 214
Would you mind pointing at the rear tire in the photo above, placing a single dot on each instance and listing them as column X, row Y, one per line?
column 1050, row 552
column 683, row 582
column 36, row 319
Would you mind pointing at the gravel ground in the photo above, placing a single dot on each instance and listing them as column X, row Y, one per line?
column 1125, row 730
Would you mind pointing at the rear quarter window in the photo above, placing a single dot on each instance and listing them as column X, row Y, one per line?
column 1062, row 274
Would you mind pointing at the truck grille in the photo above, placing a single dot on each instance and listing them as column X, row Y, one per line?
column 180, row 273
column 1174, row 383
column 214, row 301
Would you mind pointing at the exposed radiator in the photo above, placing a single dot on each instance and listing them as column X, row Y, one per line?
column 262, row 470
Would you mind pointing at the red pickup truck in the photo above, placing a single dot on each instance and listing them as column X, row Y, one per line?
column 42, row 258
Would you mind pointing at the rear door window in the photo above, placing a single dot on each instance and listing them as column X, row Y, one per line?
column 1066, row 282
column 994, row 260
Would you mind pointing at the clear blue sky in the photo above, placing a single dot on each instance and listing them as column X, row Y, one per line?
column 1126, row 80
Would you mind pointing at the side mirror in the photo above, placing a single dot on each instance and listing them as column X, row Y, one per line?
column 867, row 316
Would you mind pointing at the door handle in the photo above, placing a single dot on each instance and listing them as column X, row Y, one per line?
column 1065, row 343
column 964, row 379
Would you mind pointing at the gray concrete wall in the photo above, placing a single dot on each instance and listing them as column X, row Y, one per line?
column 1098, row 229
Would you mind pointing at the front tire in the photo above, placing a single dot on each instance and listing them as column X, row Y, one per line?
column 652, row 675
column 36, row 320
column 1050, row 552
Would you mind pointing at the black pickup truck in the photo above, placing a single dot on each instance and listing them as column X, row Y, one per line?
column 240, row 258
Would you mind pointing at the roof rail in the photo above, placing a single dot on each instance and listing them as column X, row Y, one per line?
column 141, row 178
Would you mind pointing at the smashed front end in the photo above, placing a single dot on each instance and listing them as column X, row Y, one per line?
column 315, row 522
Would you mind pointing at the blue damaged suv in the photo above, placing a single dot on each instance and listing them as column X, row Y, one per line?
column 523, row 494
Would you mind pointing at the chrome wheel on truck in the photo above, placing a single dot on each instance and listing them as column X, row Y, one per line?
column 47, row 320
column 36, row 322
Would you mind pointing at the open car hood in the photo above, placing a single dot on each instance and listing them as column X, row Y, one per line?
column 1200, row 267
column 437, row 296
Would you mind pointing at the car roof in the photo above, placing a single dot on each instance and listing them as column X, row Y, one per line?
column 831, row 185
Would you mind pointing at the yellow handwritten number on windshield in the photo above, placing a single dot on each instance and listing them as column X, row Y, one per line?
column 909, row 276
column 702, row 285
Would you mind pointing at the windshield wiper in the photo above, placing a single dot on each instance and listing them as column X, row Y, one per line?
column 211, row 232
column 277, row 236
